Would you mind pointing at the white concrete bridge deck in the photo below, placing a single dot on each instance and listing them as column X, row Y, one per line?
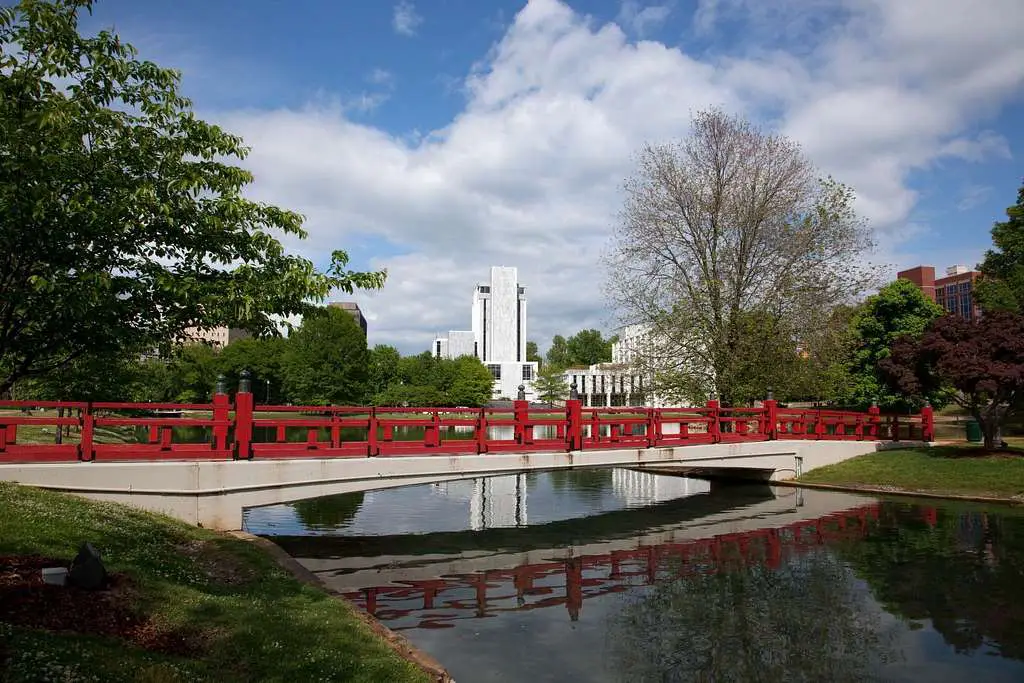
column 214, row 493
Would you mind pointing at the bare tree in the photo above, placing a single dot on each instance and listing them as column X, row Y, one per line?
column 728, row 222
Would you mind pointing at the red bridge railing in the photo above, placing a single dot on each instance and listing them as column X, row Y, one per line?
column 239, row 429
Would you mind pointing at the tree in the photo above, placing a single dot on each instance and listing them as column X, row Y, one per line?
column 384, row 368
column 1002, row 284
column 558, row 355
column 123, row 220
column 471, row 382
column 326, row 360
column 550, row 384
column 899, row 310
column 263, row 358
column 191, row 374
column 532, row 355
column 727, row 221
column 982, row 359
column 588, row 347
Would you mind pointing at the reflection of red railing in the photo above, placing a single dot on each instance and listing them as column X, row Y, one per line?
column 438, row 603
column 242, row 430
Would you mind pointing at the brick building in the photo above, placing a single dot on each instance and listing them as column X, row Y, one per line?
column 954, row 292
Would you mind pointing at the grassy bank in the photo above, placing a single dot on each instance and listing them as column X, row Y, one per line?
column 184, row 604
column 955, row 470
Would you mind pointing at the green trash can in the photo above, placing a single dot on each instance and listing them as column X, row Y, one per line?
column 973, row 431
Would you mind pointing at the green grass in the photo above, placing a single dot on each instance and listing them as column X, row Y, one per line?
column 255, row 621
column 956, row 469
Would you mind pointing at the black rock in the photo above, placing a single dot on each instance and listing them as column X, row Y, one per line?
column 87, row 571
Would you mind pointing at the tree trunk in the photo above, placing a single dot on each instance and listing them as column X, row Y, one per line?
column 58, row 438
column 990, row 428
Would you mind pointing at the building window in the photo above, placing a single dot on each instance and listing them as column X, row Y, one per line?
column 438, row 348
column 484, row 289
column 965, row 286
column 495, row 370
column 527, row 373
column 965, row 308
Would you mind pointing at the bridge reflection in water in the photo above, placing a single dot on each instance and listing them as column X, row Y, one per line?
column 439, row 602
column 480, row 575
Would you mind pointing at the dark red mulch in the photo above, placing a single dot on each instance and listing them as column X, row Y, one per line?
column 25, row 600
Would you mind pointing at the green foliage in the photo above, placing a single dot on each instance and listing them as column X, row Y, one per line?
column 532, row 355
column 326, row 360
column 585, row 348
column 424, row 381
column 385, row 362
column 898, row 310
column 264, row 359
column 100, row 376
column 550, row 384
column 124, row 220
column 1002, row 287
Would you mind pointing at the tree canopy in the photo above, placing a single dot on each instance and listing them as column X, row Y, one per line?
column 326, row 361
column 124, row 220
column 1002, row 284
column 728, row 221
column 586, row 347
column 899, row 311
column 982, row 359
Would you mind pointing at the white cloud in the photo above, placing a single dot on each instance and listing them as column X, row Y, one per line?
column 642, row 20
column 405, row 19
column 527, row 174
column 973, row 195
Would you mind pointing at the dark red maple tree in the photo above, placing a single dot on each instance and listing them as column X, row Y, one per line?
column 983, row 360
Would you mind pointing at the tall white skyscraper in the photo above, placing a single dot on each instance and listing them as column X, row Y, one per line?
column 498, row 335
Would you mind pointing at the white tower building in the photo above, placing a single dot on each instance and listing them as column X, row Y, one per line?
column 498, row 334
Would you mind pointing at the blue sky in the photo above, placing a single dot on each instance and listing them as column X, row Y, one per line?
column 437, row 138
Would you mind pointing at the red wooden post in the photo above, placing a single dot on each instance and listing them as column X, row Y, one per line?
column 714, row 426
column 481, row 431
column 770, row 417
column 574, row 425
column 243, row 418
column 85, row 450
column 372, row 439
column 221, row 416
column 653, row 428
column 520, row 412
column 928, row 422
column 873, row 420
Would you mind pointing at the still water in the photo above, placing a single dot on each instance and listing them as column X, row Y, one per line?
column 614, row 575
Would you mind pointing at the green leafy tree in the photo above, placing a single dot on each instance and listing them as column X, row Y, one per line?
column 550, row 384
column 326, row 360
column 588, row 347
column 124, row 221
column 264, row 359
column 532, row 355
column 192, row 374
column 1002, row 284
column 471, row 383
column 385, row 362
column 558, row 354
column 899, row 310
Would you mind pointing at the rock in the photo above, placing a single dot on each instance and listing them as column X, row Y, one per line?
column 87, row 571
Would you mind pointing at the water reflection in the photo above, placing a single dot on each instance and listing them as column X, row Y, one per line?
column 616, row 577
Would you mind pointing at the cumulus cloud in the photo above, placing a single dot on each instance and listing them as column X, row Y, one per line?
column 406, row 19
column 528, row 172
column 643, row 19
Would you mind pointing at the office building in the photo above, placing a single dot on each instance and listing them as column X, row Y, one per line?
column 954, row 292
column 352, row 308
column 217, row 337
column 497, row 335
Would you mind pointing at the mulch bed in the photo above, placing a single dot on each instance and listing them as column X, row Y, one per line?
column 25, row 600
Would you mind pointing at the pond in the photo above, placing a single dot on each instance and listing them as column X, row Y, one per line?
column 617, row 575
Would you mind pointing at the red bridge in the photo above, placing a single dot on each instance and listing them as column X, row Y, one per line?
column 240, row 430
column 440, row 602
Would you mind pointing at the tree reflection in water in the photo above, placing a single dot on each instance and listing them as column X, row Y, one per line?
column 805, row 621
column 330, row 512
